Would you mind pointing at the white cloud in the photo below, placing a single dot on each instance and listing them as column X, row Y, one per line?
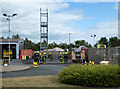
column 95, row 0
column 26, row 23
column 60, row 1
column 105, row 29
column 116, row 6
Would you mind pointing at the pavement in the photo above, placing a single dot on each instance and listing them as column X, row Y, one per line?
column 15, row 65
column 18, row 65
column 51, row 68
column 41, row 70
column 12, row 68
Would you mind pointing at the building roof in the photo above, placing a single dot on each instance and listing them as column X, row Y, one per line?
column 11, row 39
column 55, row 49
column 80, row 48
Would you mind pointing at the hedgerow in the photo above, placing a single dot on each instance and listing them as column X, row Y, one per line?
column 91, row 75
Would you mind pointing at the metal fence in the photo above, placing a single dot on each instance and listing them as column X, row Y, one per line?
column 104, row 54
column 54, row 54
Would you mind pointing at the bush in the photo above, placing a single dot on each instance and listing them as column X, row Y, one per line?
column 92, row 75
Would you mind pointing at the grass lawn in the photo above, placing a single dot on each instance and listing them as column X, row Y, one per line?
column 34, row 81
column 38, row 81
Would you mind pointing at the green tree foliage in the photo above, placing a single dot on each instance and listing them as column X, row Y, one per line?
column 16, row 37
column 28, row 44
column 44, row 43
column 36, row 46
column 104, row 41
column 52, row 45
column 72, row 45
column 95, row 45
column 79, row 43
column 55, row 44
column 63, row 45
column 114, row 41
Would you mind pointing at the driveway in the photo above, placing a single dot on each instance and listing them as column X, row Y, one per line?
column 42, row 70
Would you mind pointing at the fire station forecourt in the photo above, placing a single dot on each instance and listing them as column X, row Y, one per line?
column 81, row 76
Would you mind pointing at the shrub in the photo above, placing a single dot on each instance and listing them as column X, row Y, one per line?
column 92, row 75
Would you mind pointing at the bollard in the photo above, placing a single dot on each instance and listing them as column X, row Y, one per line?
column 20, row 57
column 89, row 62
column 85, row 63
column 92, row 62
column 39, row 61
column 44, row 63
column 35, row 64
column 25, row 57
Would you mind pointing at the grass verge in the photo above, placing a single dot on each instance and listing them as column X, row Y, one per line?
column 39, row 81
column 34, row 81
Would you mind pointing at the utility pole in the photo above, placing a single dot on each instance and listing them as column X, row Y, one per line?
column 69, row 46
column 69, row 38
column 93, row 36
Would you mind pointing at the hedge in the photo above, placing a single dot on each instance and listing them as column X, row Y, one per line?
column 91, row 75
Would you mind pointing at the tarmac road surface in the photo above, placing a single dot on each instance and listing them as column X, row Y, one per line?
column 42, row 70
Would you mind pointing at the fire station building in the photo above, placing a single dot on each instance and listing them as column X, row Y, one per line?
column 15, row 46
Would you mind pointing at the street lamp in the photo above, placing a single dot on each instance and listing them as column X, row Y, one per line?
column 69, row 38
column 8, row 18
column 93, row 39
column 93, row 45
column 69, row 41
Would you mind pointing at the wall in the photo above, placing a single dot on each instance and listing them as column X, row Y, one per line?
column 27, row 52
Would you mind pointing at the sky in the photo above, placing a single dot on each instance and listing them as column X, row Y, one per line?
column 81, row 19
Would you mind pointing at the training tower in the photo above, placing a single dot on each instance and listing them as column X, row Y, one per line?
column 44, row 30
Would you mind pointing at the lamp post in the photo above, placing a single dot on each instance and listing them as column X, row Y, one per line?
column 93, row 36
column 69, row 41
column 93, row 39
column 69, row 38
column 8, row 18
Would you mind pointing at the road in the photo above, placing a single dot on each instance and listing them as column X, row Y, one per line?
column 42, row 70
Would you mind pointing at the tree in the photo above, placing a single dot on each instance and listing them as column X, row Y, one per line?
column 44, row 43
column 72, row 45
column 55, row 44
column 104, row 41
column 36, row 47
column 63, row 45
column 28, row 44
column 79, row 43
column 114, row 41
column 15, row 37
column 89, row 45
column 52, row 45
